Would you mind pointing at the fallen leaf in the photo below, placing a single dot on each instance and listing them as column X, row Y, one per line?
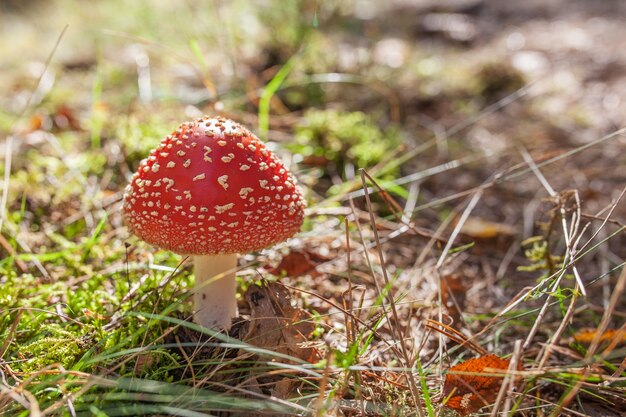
column 453, row 294
column 587, row 336
column 283, row 388
column 144, row 362
column 298, row 262
column 313, row 160
column 468, row 386
column 101, row 107
column 276, row 324
column 65, row 119
column 35, row 122
column 92, row 315
column 478, row 228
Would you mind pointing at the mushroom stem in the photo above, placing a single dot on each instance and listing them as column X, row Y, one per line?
column 215, row 290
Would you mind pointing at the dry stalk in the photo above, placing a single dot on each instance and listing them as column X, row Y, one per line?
column 397, row 334
column 589, row 357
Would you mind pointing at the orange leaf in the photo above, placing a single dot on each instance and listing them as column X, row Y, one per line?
column 587, row 336
column 478, row 228
column 469, row 387
column 35, row 122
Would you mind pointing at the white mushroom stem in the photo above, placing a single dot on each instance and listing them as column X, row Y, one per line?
column 215, row 290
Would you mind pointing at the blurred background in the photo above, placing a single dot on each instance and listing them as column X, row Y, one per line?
column 350, row 84
column 399, row 59
column 435, row 98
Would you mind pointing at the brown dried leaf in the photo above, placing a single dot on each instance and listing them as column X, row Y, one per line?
column 298, row 262
column 276, row 324
column 453, row 294
column 284, row 388
column 65, row 119
column 144, row 362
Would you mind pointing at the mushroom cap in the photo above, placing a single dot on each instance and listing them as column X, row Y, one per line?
column 212, row 187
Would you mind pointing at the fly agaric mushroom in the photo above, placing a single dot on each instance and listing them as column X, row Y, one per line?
column 213, row 190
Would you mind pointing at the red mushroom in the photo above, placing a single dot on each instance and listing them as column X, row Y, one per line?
column 213, row 190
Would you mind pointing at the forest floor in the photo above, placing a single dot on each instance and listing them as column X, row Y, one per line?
column 465, row 238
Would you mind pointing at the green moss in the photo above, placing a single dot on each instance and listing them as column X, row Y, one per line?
column 58, row 347
column 140, row 136
column 344, row 137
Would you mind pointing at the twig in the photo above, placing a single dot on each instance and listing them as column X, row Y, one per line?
column 455, row 336
column 516, row 361
column 508, row 383
column 9, row 335
column 547, row 350
column 7, row 246
column 397, row 334
column 615, row 298
column 569, row 255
